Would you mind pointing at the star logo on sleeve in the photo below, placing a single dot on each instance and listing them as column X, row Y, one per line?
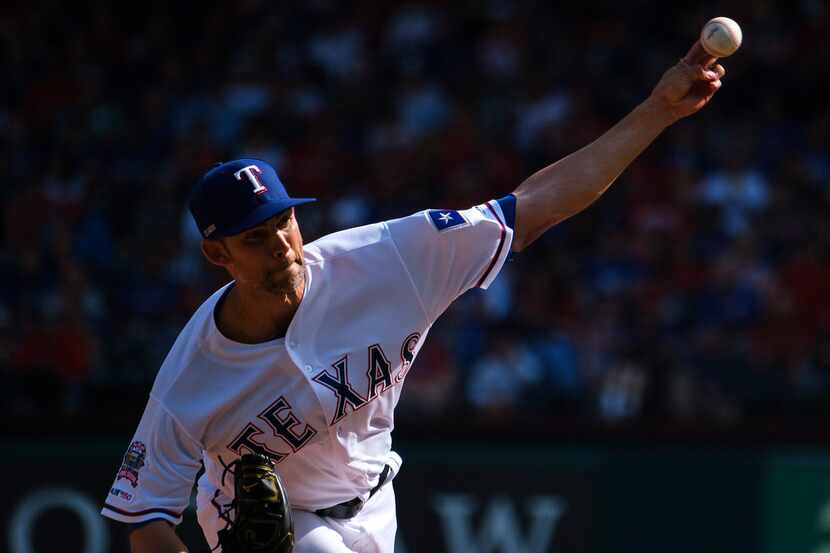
column 446, row 219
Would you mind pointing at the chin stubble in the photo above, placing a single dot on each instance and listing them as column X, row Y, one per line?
column 284, row 286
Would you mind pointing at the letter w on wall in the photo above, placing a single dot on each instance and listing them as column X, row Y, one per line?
column 500, row 530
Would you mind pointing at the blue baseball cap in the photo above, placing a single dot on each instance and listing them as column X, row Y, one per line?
column 237, row 195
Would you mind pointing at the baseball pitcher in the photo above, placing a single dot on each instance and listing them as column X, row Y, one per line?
column 284, row 382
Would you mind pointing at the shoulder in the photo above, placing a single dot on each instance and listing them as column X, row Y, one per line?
column 346, row 241
column 422, row 226
column 190, row 341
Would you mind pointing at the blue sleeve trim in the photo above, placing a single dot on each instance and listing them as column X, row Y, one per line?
column 508, row 207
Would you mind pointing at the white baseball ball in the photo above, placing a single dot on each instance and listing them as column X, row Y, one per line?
column 721, row 37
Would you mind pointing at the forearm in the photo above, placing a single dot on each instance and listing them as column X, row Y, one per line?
column 156, row 537
column 571, row 184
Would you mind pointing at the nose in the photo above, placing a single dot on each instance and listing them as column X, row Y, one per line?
column 280, row 245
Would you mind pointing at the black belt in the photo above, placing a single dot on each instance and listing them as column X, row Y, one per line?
column 350, row 508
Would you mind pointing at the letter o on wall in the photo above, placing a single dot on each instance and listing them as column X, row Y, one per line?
column 22, row 524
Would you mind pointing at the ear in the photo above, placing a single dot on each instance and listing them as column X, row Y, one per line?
column 216, row 252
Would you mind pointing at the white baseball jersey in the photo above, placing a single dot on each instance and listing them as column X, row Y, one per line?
column 319, row 401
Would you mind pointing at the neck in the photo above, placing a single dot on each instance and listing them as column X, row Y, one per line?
column 252, row 316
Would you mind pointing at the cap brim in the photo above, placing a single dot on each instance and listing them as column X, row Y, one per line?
column 261, row 214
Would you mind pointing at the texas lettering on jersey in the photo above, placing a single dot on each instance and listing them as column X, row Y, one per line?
column 285, row 425
column 321, row 400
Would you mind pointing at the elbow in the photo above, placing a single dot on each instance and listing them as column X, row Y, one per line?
column 524, row 236
column 518, row 244
column 522, row 239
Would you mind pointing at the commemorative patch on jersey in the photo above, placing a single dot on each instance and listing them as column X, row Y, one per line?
column 447, row 219
column 132, row 463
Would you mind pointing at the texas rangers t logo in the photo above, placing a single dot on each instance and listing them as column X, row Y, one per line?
column 252, row 172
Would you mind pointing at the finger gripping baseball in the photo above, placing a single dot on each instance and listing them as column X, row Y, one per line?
column 262, row 515
column 698, row 56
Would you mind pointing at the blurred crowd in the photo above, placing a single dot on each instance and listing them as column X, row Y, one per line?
column 696, row 290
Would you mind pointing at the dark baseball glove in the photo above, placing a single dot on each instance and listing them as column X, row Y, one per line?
column 261, row 521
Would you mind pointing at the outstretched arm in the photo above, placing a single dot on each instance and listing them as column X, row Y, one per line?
column 573, row 183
